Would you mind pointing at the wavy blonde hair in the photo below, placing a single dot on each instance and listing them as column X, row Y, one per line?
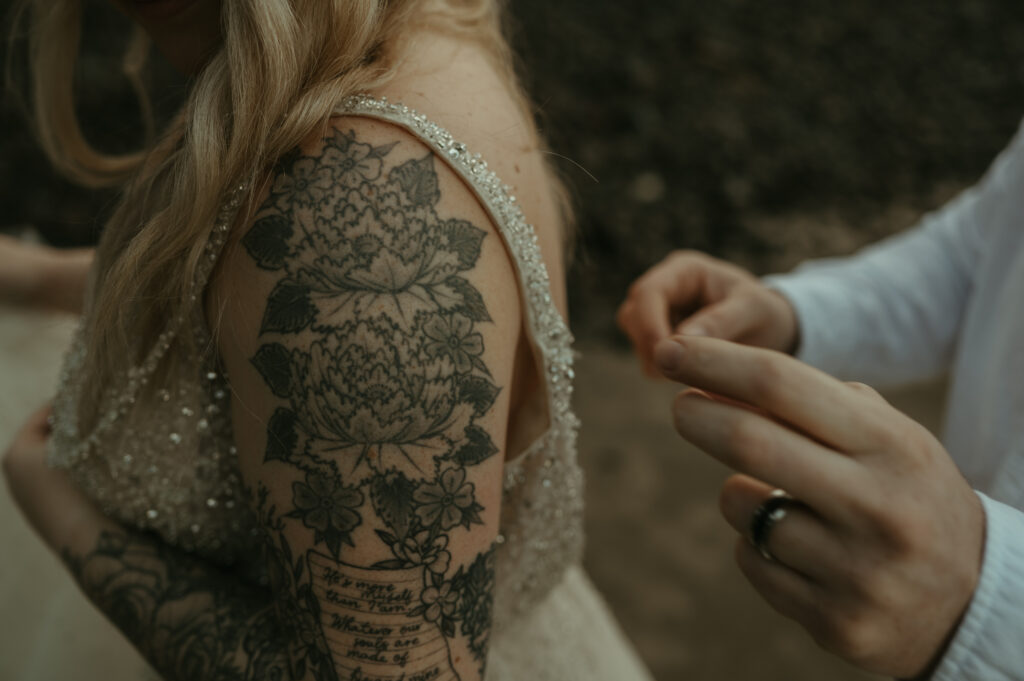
column 281, row 70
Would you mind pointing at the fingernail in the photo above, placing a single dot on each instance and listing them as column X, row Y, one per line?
column 695, row 330
column 668, row 354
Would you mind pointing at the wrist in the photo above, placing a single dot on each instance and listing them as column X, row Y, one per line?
column 789, row 326
column 971, row 580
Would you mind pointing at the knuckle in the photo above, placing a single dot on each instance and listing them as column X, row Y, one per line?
column 710, row 322
column 899, row 533
column 887, row 433
column 768, row 379
column 863, row 580
column 894, row 529
column 639, row 284
column 863, row 388
column 744, row 437
column 871, row 508
column 751, row 293
column 849, row 633
column 622, row 316
column 679, row 408
column 905, row 437
column 729, row 496
column 697, row 356
column 685, row 255
column 636, row 289
column 918, row 442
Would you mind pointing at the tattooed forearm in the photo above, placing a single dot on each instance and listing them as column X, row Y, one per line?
column 191, row 621
column 370, row 344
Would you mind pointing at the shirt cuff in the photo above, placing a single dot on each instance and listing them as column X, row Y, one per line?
column 800, row 291
column 989, row 644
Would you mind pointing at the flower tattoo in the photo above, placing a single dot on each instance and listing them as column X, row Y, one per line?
column 439, row 601
column 371, row 342
column 446, row 502
column 422, row 550
column 453, row 336
column 305, row 186
column 353, row 162
column 328, row 508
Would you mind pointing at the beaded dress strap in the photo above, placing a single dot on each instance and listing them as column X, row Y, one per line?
column 117, row 401
column 545, row 324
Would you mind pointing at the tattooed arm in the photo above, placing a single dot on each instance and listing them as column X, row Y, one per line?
column 368, row 323
column 191, row 620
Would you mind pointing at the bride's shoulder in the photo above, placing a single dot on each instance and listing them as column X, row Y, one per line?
column 458, row 85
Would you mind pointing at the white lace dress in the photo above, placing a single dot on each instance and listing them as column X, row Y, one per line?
column 162, row 457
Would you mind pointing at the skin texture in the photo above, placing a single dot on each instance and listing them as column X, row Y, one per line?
column 880, row 557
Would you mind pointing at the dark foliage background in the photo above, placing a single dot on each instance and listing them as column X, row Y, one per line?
column 763, row 132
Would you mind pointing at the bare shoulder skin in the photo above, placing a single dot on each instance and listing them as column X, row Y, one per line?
column 453, row 83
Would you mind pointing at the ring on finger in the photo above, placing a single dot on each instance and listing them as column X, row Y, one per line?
column 770, row 513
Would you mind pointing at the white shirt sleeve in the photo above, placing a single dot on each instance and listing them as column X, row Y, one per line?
column 891, row 313
column 989, row 644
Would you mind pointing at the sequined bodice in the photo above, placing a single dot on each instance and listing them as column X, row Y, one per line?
column 162, row 454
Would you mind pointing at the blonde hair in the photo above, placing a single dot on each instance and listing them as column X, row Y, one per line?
column 281, row 70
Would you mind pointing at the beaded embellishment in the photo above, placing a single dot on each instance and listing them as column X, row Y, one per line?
column 162, row 459
column 168, row 463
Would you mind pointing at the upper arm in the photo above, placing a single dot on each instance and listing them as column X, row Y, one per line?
column 368, row 320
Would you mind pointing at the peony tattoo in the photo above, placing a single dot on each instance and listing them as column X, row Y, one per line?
column 370, row 341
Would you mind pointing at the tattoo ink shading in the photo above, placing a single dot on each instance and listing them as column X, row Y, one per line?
column 369, row 339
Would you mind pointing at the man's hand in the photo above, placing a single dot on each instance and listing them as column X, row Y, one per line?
column 880, row 557
column 694, row 294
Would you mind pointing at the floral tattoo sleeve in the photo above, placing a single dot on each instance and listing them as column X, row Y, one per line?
column 370, row 344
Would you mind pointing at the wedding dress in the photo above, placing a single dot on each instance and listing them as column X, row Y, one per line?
column 161, row 457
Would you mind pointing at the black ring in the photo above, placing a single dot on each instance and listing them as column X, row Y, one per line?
column 771, row 511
